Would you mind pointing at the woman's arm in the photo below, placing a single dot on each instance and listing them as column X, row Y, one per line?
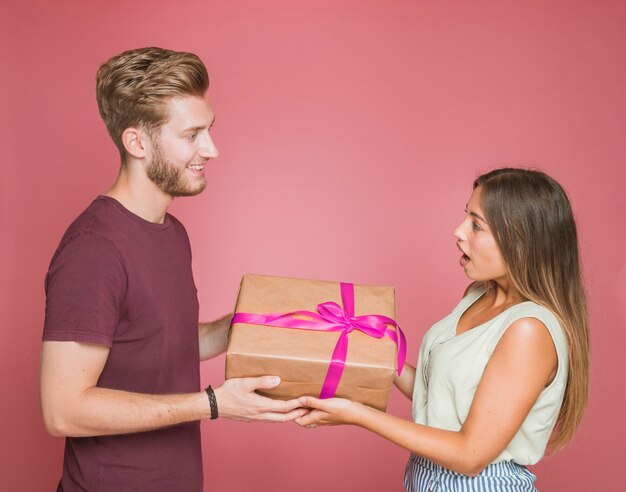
column 522, row 364
column 406, row 381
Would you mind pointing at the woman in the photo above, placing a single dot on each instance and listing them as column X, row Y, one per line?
column 505, row 374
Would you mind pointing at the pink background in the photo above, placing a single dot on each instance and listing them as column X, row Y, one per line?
column 349, row 132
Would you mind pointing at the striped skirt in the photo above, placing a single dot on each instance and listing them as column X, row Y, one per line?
column 423, row 475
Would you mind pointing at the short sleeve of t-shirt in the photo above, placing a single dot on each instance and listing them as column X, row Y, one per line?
column 85, row 289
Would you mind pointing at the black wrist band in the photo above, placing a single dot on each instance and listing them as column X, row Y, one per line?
column 212, row 401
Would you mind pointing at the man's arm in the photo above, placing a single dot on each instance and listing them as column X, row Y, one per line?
column 214, row 336
column 72, row 404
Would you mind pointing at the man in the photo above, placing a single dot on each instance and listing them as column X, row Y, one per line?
column 122, row 344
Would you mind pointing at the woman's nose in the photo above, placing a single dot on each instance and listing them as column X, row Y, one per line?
column 459, row 232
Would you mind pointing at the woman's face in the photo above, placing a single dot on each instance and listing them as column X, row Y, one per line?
column 482, row 259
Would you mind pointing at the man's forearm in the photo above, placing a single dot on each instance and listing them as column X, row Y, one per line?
column 103, row 411
column 73, row 405
column 213, row 337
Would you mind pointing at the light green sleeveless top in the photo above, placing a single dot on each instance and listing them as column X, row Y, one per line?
column 450, row 367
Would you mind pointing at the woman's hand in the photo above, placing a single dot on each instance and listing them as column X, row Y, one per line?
column 331, row 411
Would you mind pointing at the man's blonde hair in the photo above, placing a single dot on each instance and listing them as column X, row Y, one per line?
column 133, row 87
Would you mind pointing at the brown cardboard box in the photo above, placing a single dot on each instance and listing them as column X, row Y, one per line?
column 301, row 357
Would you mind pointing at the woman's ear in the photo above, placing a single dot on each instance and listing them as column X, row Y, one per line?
column 135, row 142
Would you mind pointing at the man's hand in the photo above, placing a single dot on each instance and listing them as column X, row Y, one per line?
column 237, row 400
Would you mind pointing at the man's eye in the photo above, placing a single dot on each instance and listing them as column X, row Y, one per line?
column 192, row 136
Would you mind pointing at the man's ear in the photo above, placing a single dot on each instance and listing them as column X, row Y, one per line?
column 136, row 142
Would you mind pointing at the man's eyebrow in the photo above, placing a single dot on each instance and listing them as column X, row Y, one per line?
column 192, row 129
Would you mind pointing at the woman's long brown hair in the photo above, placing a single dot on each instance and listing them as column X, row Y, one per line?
column 533, row 224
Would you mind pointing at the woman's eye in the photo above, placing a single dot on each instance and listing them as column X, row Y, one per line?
column 475, row 226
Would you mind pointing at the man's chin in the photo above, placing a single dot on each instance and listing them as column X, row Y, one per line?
column 188, row 191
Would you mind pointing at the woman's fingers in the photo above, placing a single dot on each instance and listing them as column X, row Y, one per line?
column 313, row 419
column 311, row 402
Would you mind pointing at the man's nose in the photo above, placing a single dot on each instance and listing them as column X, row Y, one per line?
column 208, row 150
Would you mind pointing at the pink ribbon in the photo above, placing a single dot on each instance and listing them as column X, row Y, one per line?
column 332, row 317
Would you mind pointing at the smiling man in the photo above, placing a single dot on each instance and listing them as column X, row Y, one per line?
column 122, row 344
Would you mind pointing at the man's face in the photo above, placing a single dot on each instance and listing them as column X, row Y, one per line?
column 182, row 146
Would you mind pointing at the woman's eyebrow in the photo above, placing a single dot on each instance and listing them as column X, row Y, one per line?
column 474, row 214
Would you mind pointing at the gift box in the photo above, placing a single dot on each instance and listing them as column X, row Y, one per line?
column 301, row 329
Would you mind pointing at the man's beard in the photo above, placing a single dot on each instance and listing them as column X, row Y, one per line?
column 169, row 178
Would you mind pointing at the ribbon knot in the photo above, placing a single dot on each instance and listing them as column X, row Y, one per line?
column 331, row 316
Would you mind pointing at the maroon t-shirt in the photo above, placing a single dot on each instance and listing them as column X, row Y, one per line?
column 121, row 281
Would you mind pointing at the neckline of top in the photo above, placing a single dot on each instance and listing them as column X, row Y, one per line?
column 477, row 293
column 136, row 218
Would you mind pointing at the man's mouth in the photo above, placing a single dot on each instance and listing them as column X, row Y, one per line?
column 197, row 167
